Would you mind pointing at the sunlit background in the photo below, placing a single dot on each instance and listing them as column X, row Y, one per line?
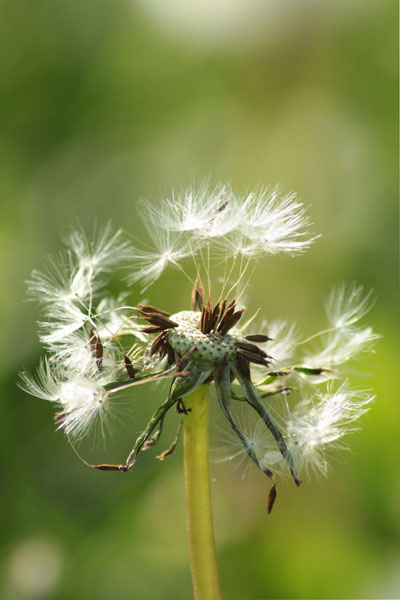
column 104, row 103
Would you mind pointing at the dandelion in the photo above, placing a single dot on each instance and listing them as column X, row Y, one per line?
column 282, row 397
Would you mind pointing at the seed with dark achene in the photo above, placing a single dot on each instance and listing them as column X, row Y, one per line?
column 129, row 367
column 257, row 359
column 230, row 319
column 251, row 348
column 260, row 338
column 157, row 344
column 244, row 366
column 147, row 308
column 152, row 329
column 271, row 498
column 97, row 349
column 197, row 296
column 99, row 354
column 219, row 209
column 160, row 321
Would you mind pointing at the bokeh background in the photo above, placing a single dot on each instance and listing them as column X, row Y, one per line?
column 103, row 103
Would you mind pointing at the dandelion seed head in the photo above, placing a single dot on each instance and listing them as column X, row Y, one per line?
column 98, row 346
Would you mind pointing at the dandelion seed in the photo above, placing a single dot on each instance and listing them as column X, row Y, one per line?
column 62, row 320
column 205, row 213
column 64, row 282
column 346, row 305
column 170, row 249
column 113, row 319
column 319, row 423
column 344, row 340
column 100, row 253
column 284, row 337
column 80, row 397
column 272, row 223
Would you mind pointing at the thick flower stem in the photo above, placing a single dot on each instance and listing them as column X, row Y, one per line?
column 198, row 497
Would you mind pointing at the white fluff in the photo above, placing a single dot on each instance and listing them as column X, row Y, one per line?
column 345, row 338
column 320, row 422
column 81, row 396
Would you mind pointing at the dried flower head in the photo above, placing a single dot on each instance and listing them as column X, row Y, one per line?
column 293, row 404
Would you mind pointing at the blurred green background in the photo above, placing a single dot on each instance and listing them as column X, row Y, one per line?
column 103, row 103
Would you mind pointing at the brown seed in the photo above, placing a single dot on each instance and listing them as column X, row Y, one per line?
column 92, row 340
column 110, row 467
column 99, row 354
column 260, row 338
column 147, row 308
column 97, row 348
column 214, row 317
column 237, row 316
column 129, row 367
column 197, row 296
column 219, row 209
column 232, row 304
column 170, row 353
column 252, row 357
column 160, row 321
column 244, row 366
column 271, row 497
column 229, row 321
column 220, row 370
column 157, row 343
column 226, row 318
column 206, row 318
column 151, row 329
column 251, row 348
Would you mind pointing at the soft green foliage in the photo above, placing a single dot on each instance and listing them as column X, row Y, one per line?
column 103, row 105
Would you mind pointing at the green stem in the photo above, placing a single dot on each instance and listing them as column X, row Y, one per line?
column 198, row 496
